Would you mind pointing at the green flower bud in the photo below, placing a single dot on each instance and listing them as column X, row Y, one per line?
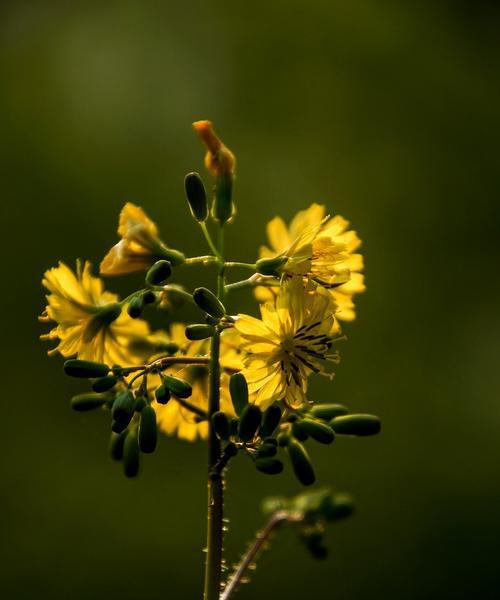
column 270, row 440
column 283, row 439
column 123, row 406
column 220, row 423
column 149, row 297
column 196, row 196
column 270, row 466
column 147, row 430
column 199, row 332
column 270, row 420
column 328, row 411
column 86, row 369
column 131, row 455
column 238, row 389
column 320, row 432
column 103, row 384
column 223, row 208
column 361, row 425
column 162, row 394
column 298, row 432
column 301, row 463
column 177, row 386
column 267, row 450
column 159, row 272
column 118, row 426
column 249, row 422
column 208, row 301
column 270, row 266
column 116, row 442
column 89, row 401
column 233, row 426
column 140, row 403
column 135, row 307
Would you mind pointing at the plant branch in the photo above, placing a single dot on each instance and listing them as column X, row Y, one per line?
column 209, row 240
column 251, row 282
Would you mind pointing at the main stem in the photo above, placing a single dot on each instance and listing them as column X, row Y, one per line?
column 213, row 565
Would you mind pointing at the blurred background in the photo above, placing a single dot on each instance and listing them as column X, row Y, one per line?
column 388, row 113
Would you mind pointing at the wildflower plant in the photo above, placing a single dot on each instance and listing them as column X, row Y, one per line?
column 237, row 382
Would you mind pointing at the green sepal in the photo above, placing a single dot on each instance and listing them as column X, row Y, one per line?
column 238, row 388
column 301, row 463
column 270, row 420
column 85, row 369
column 135, row 307
column 249, row 422
column 162, row 394
column 208, row 302
column 147, row 430
column 320, row 432
column 196, row 196
column 177, row 386
column 123, row 406
column 360, row 425
column 103, row 384
column 221, row 425
column 328, row 411
column 199, row 331
column 116, row 442
column 270, row 266
column 88, row 401
column 131, row 455
column 270, row 466
column 159, row 272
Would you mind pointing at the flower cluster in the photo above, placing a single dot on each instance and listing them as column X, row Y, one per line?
column 240, row 378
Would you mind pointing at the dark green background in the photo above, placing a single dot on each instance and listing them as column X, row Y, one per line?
column 387, row 112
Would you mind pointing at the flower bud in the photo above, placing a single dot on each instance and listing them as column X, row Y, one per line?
column 103, row 384
column 320, row 432
column 270, row 266
column 147, row 430
column 162, row 394
column 177, row 386
column 270, row 466
column 270, row 420
column 208, row 301
column 116, row 442
column 283, row 439
column 159, row 272
column 328, row 411
column 131, row 455
column 123, row 406
column 223, row 208
column 135, row 307
column 238, row 389
column 266, row 451
column 361, row 425
column 298, row 432
column 233, row 426
column 89, row 401
column 196, row 196
column 301, row 463
column 199, row 331
column 87, row 369
column 140, row 403
column 118, row 426
column 220, row 423
column 249, row 422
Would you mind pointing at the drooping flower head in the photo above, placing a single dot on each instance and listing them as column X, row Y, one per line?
column 140, row 245
column 293, row 339
column 174, row 418
column 90, row 321
column 320, row 248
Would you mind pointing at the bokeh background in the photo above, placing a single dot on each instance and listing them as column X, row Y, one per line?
column 388, row 112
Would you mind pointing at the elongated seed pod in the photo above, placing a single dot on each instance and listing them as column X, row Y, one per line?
column 147, row 430
column 301, row 463
column 86, row 369
column 361, row 425
column 249, row 422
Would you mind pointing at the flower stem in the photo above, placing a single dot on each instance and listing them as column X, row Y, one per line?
column 209, row 240
column 213, row 565
column 251, row 282
column 242, row 265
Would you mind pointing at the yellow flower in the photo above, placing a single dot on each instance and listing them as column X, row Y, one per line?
column 293, row 339
column 90, row 321
column 320, row 248
column 219, row 160
column 140, row 246
column 174, row 418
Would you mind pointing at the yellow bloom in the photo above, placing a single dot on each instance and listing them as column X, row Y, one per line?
column 293, row 339
column 140, row 246
column 219, row 160
column 90, row 322
column 174, row 418
column 320, row 248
